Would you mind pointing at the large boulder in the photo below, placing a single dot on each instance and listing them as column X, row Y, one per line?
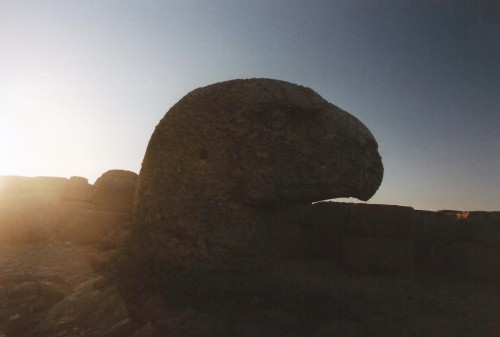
column 227, row 155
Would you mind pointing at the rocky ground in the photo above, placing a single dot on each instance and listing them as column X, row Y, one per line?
column 53, row 289
column 56, row 289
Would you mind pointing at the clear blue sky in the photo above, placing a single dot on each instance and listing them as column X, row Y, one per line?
column 83, row 83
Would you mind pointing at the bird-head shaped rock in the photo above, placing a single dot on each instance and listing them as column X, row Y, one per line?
column 226, row 152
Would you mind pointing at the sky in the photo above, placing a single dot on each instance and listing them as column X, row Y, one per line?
column 84, row 83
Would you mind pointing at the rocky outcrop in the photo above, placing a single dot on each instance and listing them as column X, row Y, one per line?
column 226, row 156
column 53, row 290
column 45, row 208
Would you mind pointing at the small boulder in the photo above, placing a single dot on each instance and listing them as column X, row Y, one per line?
column 114, row 191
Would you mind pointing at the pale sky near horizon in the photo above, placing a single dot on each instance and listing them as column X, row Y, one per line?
column 84, row 83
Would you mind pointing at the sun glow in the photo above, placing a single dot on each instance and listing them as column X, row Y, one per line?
column 6, row 150
column 28, row 119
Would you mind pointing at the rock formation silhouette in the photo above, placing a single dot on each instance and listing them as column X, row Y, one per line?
column 227, row 156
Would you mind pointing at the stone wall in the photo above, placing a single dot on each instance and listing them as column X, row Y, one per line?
column 395, row 240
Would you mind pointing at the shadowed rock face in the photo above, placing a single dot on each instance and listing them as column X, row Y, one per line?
column 226, row 155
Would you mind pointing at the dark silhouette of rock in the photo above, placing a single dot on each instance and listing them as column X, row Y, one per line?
column 227, row 155
column 114, row 190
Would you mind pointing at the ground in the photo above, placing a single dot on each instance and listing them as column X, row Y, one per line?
column 298, row 298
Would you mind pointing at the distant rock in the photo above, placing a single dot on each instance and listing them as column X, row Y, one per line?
column 18, row 187
column 114, row 190
column 227, row 155
column 34, row 209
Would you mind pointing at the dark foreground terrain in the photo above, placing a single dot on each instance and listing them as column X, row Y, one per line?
column 56, row 289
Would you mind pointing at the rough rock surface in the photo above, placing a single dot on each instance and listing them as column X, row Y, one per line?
column 51, row 289
column 227, row 155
